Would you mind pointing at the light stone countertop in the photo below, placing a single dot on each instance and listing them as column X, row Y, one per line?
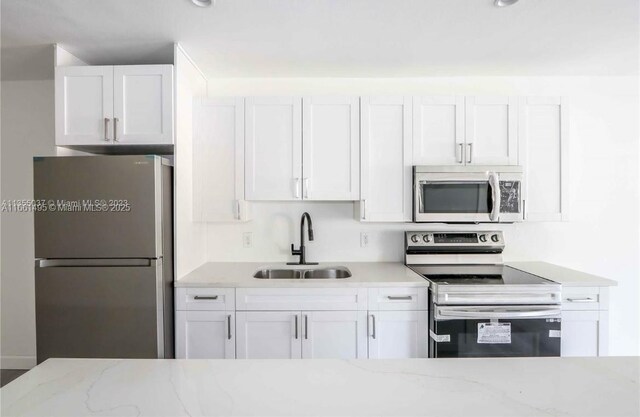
column 564, row 276
column 584, row 387
column 240, row 275
column 365, row 274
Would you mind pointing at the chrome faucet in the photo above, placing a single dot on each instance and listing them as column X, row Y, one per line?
column 301, row 252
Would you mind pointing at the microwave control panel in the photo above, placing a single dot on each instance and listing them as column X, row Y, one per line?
column 510, row 196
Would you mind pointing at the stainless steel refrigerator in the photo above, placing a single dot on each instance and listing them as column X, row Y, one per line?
column 104, row 257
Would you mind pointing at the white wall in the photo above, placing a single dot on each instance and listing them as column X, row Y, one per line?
column 601, row 236
column 27, row 130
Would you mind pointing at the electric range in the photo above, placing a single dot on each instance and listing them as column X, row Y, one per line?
column 479, row 307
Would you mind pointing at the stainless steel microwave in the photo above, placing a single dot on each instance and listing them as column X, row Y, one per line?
column 468, row 194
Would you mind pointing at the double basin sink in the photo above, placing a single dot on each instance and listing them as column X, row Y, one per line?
column 317, row 273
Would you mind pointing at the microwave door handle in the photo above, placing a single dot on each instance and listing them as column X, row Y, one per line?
column 494, row 182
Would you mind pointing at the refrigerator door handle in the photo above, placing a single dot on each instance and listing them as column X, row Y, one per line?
column 52, row 263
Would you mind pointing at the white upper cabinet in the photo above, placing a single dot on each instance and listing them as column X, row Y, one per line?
column 491, row 130
column 296, row 156
column 218, row 160
column 107, row 105
column 334, row 334
column 456, row 130
column 331, row 148
column 544, row 141
column 84, row 105
column 143, row 104
column 386, row 159
column 438, row 130
column 273, row 143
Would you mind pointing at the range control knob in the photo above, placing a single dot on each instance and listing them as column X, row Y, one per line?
column 415, row 238
column 495, row 238
column 426, row 238
column 483, row 238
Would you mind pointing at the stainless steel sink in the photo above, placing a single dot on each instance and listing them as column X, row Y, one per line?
column 318, row 273
column 279, row 274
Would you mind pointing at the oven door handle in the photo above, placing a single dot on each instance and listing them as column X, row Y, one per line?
column 494, row 183
column 463, row 313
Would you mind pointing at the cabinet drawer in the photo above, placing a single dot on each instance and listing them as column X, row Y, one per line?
column 398, row 298
column 583, row 298
column 301, row 299
column 205, row 299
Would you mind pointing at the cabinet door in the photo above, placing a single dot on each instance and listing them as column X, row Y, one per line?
column 331, row 148
column 205, row 335
column 143, row 104
column 492, row 131
column 385, row 173
column 334, row 334
column 438, row 130
column 273, row 143
column 397, row 334
column 584, row 333
column 544, row 150
column 84, row 105
column 218, row 160
column 268, row 334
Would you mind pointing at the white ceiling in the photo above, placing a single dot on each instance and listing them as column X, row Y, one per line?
column 339, row 38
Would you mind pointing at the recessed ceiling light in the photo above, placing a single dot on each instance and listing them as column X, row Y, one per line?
column 504, row 3
column 202, row 3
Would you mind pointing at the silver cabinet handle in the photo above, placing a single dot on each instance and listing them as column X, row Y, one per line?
column 306, row 187
column 296, row 185
column 404, row 297
column 296, row 327
column 581, row 300
column 238, row 209
column 470, row 145
column 106, row 129
column 229, row 327
column 306, row 327
column 115, row 129
column 373, row 326
column 364, row 209
column 461, row 153
column 205, row 297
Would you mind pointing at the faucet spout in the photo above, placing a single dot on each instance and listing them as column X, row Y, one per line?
column 302, row 251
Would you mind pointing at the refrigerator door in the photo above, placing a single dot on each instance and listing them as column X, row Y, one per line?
column 104, row 309
column 98, row 207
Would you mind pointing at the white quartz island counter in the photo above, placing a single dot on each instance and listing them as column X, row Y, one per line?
column 416, row 387
column 240, row 275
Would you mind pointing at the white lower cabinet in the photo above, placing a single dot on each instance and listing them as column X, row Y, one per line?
column 397, row 334
column 307, row 334
column 205, row 335
column 268, row 335
column 584, row 333
column 585, row 321
column 334, row 334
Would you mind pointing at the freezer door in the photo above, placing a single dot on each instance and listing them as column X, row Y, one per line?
column 95, row 311
column 98, row 207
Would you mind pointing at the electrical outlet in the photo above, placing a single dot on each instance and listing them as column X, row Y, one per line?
column 364, row 239
column 247, row 240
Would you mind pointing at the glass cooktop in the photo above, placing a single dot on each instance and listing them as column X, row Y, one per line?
column 478, row 275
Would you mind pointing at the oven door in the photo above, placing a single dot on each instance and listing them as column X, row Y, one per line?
column 456, row 197
column 501, row 331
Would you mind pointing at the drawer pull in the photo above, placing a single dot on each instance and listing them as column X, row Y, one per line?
column 396, row 298
column 205, row 297
column 581, row 300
